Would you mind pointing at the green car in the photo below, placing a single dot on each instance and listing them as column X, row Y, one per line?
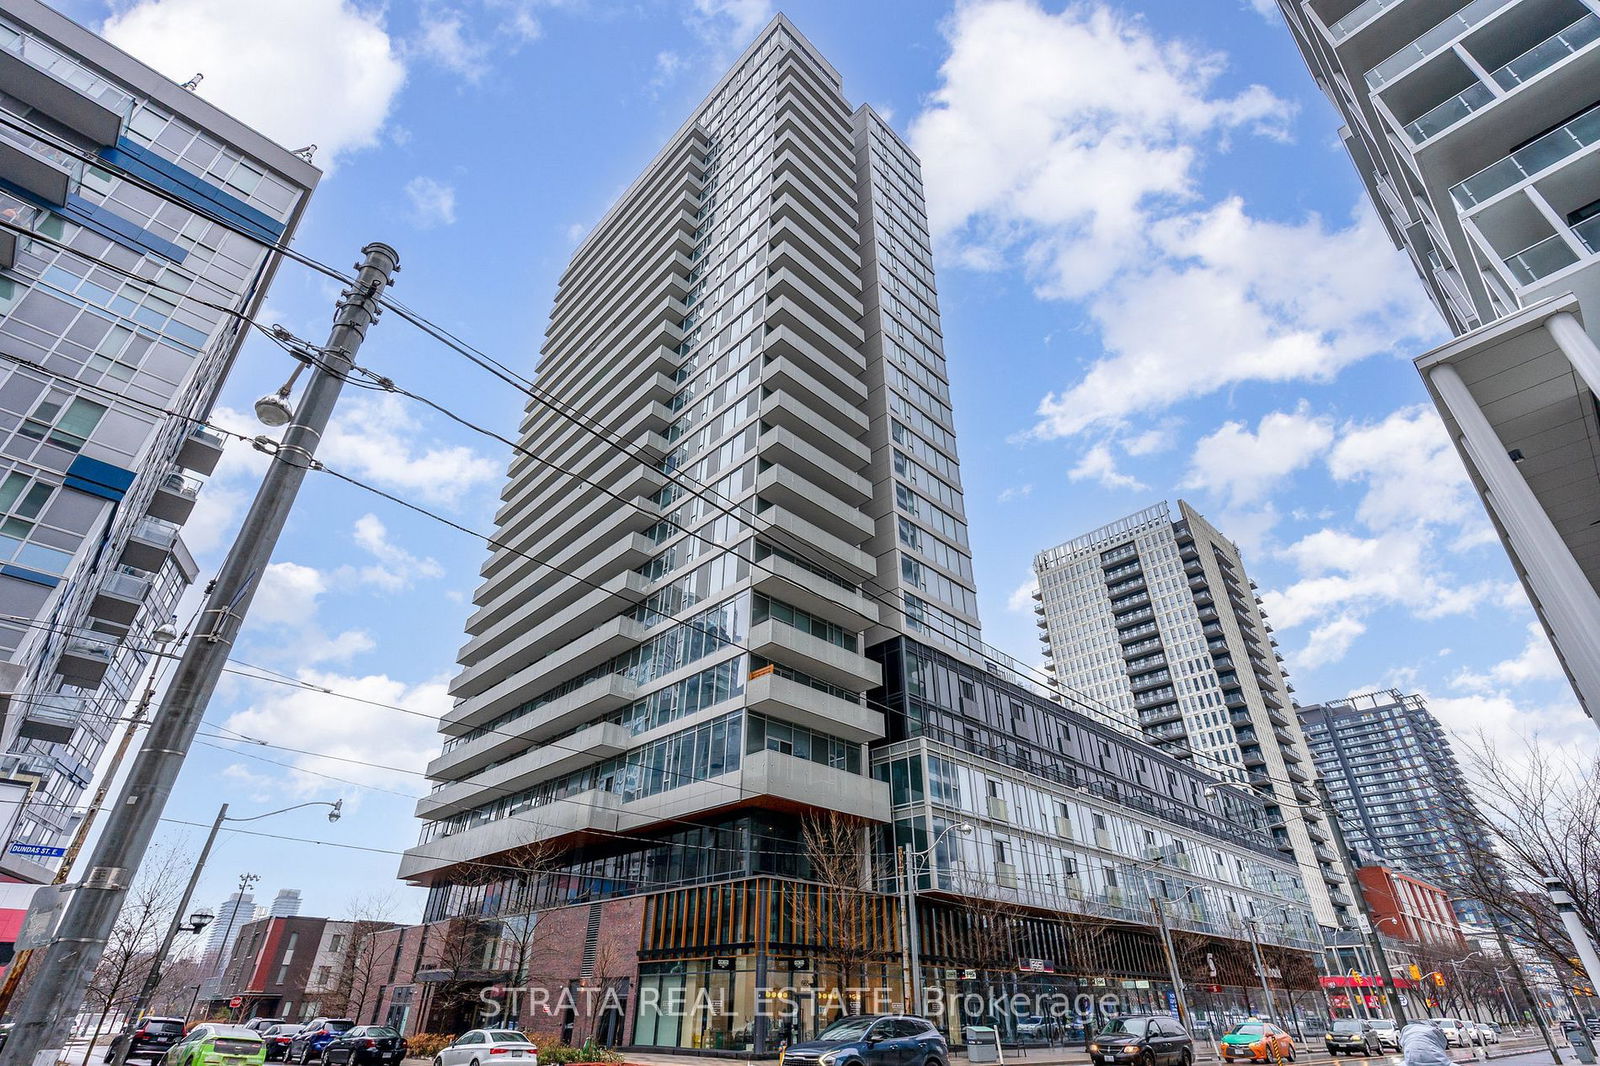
column 218, row 1045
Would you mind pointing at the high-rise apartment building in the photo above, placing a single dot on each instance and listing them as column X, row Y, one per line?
column 733, row 601
column 128, row 207
column 1396, row 786
column 1474, row 125
column 237, row 911
column 286, row 904
column 1154, row 618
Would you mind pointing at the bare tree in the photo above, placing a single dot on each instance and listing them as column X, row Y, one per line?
column 525, row 873
column 130, row 951
column 1540, row 807
column 839, row 910
column 359, row 965
column 457, row 952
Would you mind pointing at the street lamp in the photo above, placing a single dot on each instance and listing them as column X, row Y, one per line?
column 198, row 920
column 912, row 962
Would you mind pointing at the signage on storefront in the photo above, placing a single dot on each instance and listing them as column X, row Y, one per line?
column 1036, row 966
column 972, row 975
column 724, row 962
column 797, row 965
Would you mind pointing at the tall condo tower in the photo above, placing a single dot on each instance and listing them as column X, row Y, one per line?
column 1155, row 618
column 1397, row 787
column 136, row 222
column 1474, row 125
column 732, row 608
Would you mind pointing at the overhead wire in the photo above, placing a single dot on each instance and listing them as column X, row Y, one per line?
column 1082, row 702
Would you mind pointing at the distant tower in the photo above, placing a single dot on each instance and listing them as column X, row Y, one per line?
column 286, row 904
column 239, row 909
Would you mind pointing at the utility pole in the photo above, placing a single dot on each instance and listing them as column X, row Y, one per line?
column 70, row 960
column 152, row 979
column 1527, row 993
column 1261, row 968
column 1172, row 963
column 913, row 937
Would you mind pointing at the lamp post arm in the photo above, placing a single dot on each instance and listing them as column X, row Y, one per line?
column 298, row 806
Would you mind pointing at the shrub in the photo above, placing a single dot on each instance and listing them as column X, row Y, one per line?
column 427, row 1045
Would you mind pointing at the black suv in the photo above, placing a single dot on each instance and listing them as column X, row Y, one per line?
column 1352, row 1036
column 873, row 1040
column 149, row 1039
column 1144, row 1039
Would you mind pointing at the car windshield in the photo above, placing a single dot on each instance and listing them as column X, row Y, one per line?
column 1449, row 1022
column 1346, row 1025
column 1128, row 1026
column 339, row 1025
column 163, row 1028
column 847, row 1029
column 1246, row 1029
column 379, row 1030
column 507, row 1036
column 234, row 1032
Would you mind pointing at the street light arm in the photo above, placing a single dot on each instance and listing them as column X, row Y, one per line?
column 332, row 805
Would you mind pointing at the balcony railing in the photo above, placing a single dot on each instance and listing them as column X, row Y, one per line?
column 68, row 70
column 1433, row 40
column 1552, row 50
column 1359, row 17
column 1588, row 231
column 179, row 485
column 1525, row 162
column 46, row 151
column 1541, row 259
column 1451, row 111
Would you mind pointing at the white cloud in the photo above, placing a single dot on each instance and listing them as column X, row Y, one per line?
column 341, row 729
column 465, row 39
column 301, row 71
column 1099, row 465
column 1015, row 492
column 377, row 438
column 1021, row 598
column 1241, row 466
column 1330, row 641
column 286, row 603
column 1536, row 662
column 1072, row 144
column 433, row 203
column 394, row 568
column 1152, row 441
column 1412, row 473
column 728, row 25
column 443, row 39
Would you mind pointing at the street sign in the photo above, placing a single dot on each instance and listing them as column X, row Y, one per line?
column 36, row 851
column 236, row 1002
column 44, row 914
column 1172, row 1003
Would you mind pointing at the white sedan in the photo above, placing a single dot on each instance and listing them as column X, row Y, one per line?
column 474, row 1048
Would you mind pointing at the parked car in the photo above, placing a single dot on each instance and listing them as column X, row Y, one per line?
column 1258, row 1041
column 1456, row 1032
column 1352, row 1036
column 862, row 1040
column 261, row 1025
column 1034, row 1029
column 149, row 1038
column 218, row 1045
column 1145, row 1039
column 1387, row 1032
column 366, row 1045
column 5, row 1033
column 306, row 1045
column 278, row 1038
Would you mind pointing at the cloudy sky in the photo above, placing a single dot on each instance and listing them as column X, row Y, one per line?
column 1158, row 279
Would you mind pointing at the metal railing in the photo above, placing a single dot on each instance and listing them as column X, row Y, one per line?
column 1545, row 152
column 1446, row 114
column 1433, row 40
column 1360, row 16
column 1547, row 53
column 1541, row 259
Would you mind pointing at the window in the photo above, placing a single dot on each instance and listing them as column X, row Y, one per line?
column 283, row 974
column 1000, row 852
column 21, row 500
column 67, row 428
column 335, row 942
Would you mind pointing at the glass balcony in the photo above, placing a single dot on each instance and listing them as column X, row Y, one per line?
column 1549, row 52
column 1541, row 260
column 67, row 70
column 1588, row 232
column 46, row 151
column 1362, row 14
column 1450, row 112
column 1433, row 40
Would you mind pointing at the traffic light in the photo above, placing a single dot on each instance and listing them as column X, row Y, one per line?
column 1438, row 978
column 1416, row 973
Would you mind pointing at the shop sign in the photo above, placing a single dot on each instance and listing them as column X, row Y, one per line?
column 724, row 962
column 1036, row 966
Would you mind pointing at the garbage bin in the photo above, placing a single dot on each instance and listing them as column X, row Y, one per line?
column 983, row 1044
column 1582, row 1045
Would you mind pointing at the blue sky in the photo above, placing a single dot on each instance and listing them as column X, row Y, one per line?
column 1158, row 279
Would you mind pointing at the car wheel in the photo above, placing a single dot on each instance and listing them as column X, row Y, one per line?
column 1290, row 1056
column 437, row 1061
column 1187, row 1058
column 1147, row 1059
